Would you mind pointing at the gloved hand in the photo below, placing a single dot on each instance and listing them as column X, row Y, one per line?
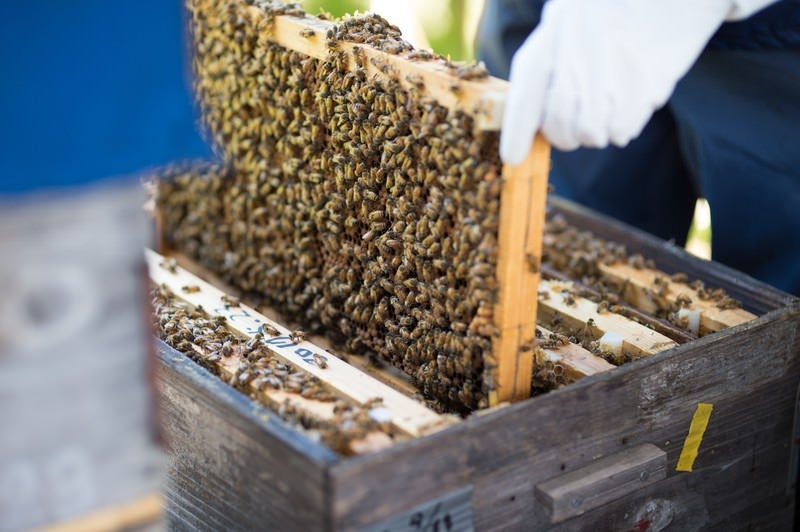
column 594, row 71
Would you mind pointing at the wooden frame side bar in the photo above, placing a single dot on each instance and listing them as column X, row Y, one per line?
column 522, row 213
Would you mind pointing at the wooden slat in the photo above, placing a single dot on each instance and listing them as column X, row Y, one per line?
column 576, row 361
column 576, row 311
column 756, row 296
column 641, row 292
column 386, row 373
column 522, row 212
column 322, row 410
column 408, row 416
column 144, row 512
column 660, row 325
column 482, row 99
column 602, row 481
column 313, row 409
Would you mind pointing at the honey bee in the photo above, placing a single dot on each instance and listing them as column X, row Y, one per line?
column 420, row 55
column 416, row 81
column 230, row 301
column 170, row 265
column 319, row 360
column 680, row 277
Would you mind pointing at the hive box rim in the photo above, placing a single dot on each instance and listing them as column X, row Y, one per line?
column 259, row 415
column 319, row 453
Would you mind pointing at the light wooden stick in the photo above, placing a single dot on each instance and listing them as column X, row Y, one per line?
column 142, row 513
column 387, row 374
column 314, row 409
column 558, row 299
column 640, row 291
column 482, row 99
column 406, row 415
column 576, row 361
column 322, row 410
column 522, row 212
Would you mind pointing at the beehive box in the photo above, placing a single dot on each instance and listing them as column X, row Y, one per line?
column 602, row 453
column 615, row 450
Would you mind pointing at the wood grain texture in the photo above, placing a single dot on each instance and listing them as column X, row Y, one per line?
column 659, row 325
column 483, row 99
column 602, row 481
column 522, row 212
column 749, row 372
column 233, row 465
column 576, row 361
column 637, row 287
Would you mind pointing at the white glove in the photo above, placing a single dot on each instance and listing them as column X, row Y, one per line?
column 594, row 71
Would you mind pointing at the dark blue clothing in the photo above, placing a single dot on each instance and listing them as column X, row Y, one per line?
column 91, row 89
column 506, row 23
column 775, row 27
column 729, row 133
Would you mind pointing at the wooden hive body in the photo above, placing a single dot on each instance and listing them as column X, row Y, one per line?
column 235, row 466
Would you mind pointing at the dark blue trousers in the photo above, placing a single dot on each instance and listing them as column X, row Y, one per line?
column 730, row 133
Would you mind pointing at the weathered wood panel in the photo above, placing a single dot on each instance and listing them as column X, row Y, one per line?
column 749, row 373
column 75, row 404
column 601, row 481
column 233, row 465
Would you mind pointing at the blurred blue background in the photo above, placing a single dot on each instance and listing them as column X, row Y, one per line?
column 92, row 89
column 95, row 89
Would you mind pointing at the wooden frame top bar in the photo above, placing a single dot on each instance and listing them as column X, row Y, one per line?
column 482, row 99
column 407, row 415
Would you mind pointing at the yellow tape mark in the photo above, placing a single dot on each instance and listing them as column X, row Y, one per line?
column 696, row 430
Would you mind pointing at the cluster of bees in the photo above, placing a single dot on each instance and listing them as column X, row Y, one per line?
column 210, row 343
column 579, row 254
column 359, row 208
column 356, row 205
